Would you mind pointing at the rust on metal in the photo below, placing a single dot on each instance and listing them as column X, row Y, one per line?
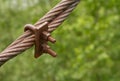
column 42, row 36
column 32, row 35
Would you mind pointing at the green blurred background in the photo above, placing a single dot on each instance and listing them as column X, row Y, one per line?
column 88, row 42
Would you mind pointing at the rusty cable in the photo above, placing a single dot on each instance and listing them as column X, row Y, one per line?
column 54, row 18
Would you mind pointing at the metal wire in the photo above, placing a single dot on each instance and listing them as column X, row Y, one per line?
column 55, row 17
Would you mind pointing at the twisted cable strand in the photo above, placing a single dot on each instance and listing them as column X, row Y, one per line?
column 62, row 6
column 58, row 20
column 55, row 17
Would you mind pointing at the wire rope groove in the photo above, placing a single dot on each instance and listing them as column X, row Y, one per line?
column 54, row 18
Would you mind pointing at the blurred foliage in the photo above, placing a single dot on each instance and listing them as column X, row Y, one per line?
column 88, row 42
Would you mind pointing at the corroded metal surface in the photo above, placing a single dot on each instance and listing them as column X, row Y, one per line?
column 54, row 18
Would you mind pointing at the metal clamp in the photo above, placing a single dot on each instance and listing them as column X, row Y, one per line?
column 42, row 36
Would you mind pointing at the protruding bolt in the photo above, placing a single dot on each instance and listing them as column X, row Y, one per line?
column 47, row 49
column 51, row 39
column 48, row 37
column 46, row 34
column 51, row 52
